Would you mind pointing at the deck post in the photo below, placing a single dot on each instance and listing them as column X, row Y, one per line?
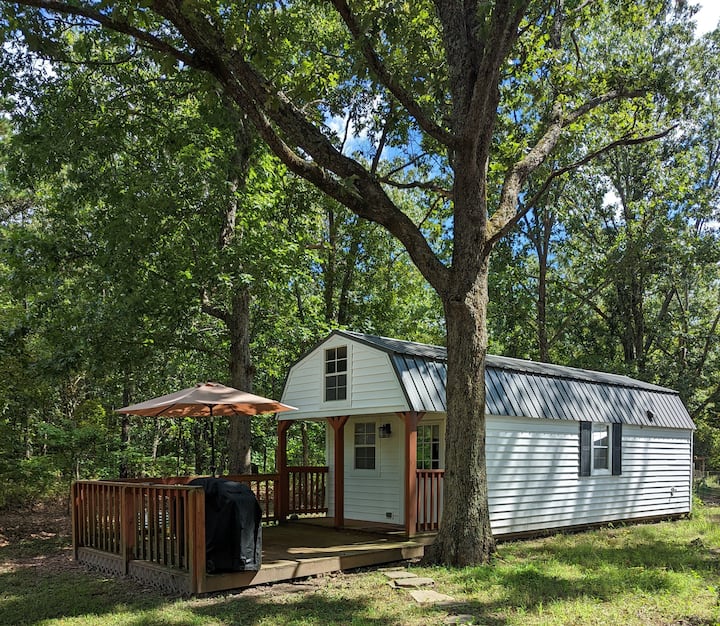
column 411, row 420
column 338, row 424
column 128, row 517
column 196, row 540
column 282, row 491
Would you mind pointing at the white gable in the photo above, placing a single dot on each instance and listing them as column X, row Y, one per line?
column 373, row 385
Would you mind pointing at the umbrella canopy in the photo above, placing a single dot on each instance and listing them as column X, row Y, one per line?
column 206, row 400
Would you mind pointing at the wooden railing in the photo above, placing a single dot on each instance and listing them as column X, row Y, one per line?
column 159, row 524
column 148, row 522
column 307, row 488
column 429, row 499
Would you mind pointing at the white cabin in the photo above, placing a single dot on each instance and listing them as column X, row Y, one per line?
column 565, row 447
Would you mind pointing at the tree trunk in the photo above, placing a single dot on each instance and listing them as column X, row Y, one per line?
column 305, row 444
column 465, row 537
column 241, row 374
column 125, row 429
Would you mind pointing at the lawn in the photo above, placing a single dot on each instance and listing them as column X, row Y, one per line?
column 664, row 573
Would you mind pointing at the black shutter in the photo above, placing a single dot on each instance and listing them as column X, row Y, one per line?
column 616, row 449
column 585, row 451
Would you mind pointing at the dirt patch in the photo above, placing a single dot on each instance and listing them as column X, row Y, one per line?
column 39, row 537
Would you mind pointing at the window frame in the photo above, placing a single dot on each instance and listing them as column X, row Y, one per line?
column 606, row 430
column 586, row 465
column 369, row 429
column 431, row 442
column 330, row 364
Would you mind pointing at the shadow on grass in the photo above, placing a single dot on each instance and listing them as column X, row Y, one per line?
column 603, row 566
column 314, row 608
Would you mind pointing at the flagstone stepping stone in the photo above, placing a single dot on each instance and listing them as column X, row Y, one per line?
column 459, row 619
column 398, row 574
column 428, row 596
column 414, row 582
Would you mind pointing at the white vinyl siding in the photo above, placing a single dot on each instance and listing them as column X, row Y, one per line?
column 534, row 484
column 373, row 387
column 371, row 495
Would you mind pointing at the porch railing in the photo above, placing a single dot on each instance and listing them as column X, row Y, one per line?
column 307, row 490
column 429, row 499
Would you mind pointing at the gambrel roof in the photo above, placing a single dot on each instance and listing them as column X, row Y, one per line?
column 515, row 387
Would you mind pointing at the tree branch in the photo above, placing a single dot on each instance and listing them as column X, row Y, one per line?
column 387, row 79
column 501, row 229
column 418, row 184
column 110, row 23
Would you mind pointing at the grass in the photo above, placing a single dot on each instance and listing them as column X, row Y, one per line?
column 666, row 573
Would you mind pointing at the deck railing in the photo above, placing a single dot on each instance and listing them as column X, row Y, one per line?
column 143, row 523
column 429, row 499
column 130, row 522
column 307, row 490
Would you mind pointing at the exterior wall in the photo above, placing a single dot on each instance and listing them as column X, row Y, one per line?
column 534, row 483
column 371, row 494
column 533, row 475
column 373, row 386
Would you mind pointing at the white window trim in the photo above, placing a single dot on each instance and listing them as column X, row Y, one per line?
column 363, row 472
column 602, row 471
column 348, row 389
column 441, row 429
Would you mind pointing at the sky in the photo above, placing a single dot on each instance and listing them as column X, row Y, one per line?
column 708, row 16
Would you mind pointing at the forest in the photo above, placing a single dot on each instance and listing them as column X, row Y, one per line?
column 151, row 238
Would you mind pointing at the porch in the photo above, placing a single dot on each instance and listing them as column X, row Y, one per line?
column 154, row 530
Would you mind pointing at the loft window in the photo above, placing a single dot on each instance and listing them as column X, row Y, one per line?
column 428, row 446
column 336, row 363
column 365, row 445
column 600, row 449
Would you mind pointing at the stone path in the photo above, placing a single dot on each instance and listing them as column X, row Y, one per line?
column 400, row 578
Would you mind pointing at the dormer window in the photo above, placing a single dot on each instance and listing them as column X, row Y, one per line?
column 336, row 363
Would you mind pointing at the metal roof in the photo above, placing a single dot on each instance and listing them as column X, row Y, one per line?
column 526, row 388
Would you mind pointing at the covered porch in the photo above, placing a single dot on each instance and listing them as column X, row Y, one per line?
column 422, row 489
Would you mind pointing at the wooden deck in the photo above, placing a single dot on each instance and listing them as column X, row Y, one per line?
column 155, row 533
column 300, row 549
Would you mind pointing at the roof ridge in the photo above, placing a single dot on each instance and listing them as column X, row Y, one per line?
column 439, row 353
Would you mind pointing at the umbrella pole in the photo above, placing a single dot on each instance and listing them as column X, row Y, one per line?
column 212, row 442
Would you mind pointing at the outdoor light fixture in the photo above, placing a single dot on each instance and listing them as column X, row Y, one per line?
column 650, row 415
column 385, row 431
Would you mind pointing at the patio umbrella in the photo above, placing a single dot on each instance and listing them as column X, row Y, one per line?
column 206, row 400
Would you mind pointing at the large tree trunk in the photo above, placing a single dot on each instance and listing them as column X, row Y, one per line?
column 241, row 374
column 465, row 537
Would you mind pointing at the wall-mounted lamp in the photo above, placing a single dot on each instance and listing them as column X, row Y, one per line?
column 650, row 415
column 385, row 431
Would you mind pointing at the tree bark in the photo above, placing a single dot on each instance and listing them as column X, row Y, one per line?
column 128, row 389
column 241, row 375
column 465, row 537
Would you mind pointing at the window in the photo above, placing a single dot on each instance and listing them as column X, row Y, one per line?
column 365, row 445
column 600, row 449
column 336, row 362
column 428, row 446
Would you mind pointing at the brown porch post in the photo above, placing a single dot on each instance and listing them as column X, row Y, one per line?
column 282, row 493
column 411, row 419
column 338, row 424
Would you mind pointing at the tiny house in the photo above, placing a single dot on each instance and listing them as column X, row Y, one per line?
column 565, row 447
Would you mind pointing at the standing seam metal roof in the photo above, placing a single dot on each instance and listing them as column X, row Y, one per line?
column 528, row 389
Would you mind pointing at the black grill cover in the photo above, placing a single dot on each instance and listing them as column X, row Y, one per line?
column 233, row 528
